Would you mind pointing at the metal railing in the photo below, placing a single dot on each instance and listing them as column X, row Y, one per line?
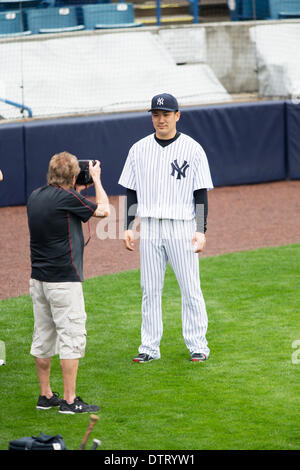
column 22, row 107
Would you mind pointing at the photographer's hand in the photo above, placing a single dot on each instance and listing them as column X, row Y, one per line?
column 95, row 170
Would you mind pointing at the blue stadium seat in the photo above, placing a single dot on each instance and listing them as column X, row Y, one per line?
column 106, row 16
column 284, row 9
column 52, row 20
column 248, row 10
column 258, row 10
column 11, row 24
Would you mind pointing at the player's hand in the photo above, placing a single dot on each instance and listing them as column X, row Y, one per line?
column 95, row 170
column 1, row 176
column 128, row 239
column 198, row 242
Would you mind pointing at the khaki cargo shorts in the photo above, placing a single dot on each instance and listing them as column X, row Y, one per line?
column 59, row 319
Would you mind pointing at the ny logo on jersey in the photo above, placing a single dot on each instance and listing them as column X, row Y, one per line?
column 180, row 169
column 160, row 101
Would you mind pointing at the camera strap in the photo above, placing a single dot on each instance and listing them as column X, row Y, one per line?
column 88, row 222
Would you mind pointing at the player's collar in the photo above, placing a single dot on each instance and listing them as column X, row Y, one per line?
column 165, row 142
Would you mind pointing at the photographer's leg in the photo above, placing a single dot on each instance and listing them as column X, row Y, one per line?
column 43, row 367
column 43, row 345
column 69, row 369
column 68, row 311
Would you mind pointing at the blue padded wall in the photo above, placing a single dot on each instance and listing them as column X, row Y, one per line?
column 293, row 140
column 244, row 143
column 12, row 188
column 105, row 138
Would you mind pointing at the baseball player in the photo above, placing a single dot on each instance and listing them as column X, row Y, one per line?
column 167, row 175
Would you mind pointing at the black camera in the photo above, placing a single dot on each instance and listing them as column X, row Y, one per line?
column 84, row 177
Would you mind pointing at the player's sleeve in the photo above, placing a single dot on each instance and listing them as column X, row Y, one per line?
column 202, row 176
column 78, row 205
column 201, row 205
column 130, row 208
column 127, row 178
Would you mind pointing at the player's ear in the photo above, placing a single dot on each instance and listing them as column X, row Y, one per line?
column 177, row 115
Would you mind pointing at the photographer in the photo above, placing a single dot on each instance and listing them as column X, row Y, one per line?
column 55, row 213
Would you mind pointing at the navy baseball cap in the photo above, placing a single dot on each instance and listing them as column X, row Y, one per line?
column 165, row 102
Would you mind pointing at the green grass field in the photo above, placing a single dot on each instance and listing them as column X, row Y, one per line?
column 244, row 397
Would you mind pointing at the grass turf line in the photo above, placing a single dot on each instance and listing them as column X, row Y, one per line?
column 244, row 397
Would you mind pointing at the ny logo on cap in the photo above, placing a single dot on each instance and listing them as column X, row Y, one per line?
column 160, row 101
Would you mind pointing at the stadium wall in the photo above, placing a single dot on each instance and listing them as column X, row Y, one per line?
column 230, row 52
column 231, row 55
column 245, row 144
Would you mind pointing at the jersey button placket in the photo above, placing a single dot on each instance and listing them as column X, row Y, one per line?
column 160, row 183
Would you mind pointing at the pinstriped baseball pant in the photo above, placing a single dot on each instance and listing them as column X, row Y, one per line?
column 163, row 240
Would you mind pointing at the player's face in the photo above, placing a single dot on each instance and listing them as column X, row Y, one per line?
column 164, row 123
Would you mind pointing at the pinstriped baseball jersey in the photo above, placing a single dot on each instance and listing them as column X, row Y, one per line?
column 166, row 177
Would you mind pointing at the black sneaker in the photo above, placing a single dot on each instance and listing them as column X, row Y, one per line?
column 198, row 357
column 143, row 358
column 78, row 406
column 45, row 403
